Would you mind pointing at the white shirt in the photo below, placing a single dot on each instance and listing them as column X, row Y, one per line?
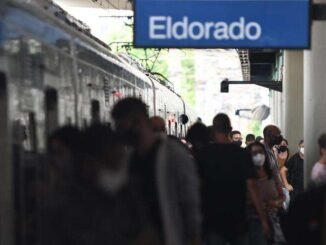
column 318, row 173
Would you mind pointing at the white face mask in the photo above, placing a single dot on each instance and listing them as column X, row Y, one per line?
column 258, row 160
column 112, row 181
column 302, row 150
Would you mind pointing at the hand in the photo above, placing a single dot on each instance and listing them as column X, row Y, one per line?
column 289, row 187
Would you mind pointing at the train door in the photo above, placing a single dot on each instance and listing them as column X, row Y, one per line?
column 7, row 216
column 25, row 139
column 51, row 110
column 95, row 111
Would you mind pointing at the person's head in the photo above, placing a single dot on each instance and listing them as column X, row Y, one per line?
column 259, row 139
column 103, row 145
column 158, row 125
column 259, row 157
column 103, row 159
column 198, row 135
column 322, row 145
column 63, row 145
column 285, row 142
column 283, row 152
column 236, row 137
column 221, row 126
column 301, row 148
column 250, row 138
column 272, row 136
column 131, row 119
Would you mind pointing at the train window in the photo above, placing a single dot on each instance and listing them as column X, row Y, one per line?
column 95, row 111
column 28, row 133
column 51, row 110
column 106, row 87
column 140, row 84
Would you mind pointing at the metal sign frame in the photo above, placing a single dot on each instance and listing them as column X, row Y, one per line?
column 311, row 11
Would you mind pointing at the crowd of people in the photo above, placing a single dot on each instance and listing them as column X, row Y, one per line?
column 131, row 183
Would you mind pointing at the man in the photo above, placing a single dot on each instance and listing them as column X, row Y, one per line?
column 250, row 138
column 292, row 172
column 236, row 137
column 97, row 206
column 272, row 137
column 198, row 137
column 227, row 175
column 165, row 174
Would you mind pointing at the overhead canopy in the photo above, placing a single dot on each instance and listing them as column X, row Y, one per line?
column 108, row 4
column 261, row 64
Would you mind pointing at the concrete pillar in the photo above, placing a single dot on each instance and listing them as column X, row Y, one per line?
column 276, row 108
column 293, row 98
column 314, row 93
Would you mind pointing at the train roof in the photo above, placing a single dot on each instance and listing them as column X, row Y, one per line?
column 79, row 32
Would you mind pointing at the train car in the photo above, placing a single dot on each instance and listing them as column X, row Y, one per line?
column 52, row 73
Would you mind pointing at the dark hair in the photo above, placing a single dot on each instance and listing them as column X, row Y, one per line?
column 69, row 136
column 250, row 137
column 128, row 106
column 97, row 139
column 285, row 141
column 322, row 141
column 234, row 132
column 259, row 138
column 301, row 142
column 268, row 129
column 157, row 124
column 222, row 123
column 198, row 132
column 267, row 166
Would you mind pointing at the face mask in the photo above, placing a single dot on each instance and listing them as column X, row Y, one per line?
column 277, row 139
column 239, row 143
column 110, row 181
column 302, row 150
column 258, row 160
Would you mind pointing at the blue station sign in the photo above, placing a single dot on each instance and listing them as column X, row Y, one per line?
column 222, row 23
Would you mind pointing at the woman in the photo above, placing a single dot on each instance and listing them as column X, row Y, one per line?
column 282, row 153
column 272, row 196
column 318, row 174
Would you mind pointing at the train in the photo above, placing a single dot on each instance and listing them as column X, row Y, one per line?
column 53, row 72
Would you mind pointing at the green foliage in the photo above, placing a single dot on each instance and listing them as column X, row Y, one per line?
column 155, row 60
column 256, row 127
column 188, row 78
column 152, row 59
